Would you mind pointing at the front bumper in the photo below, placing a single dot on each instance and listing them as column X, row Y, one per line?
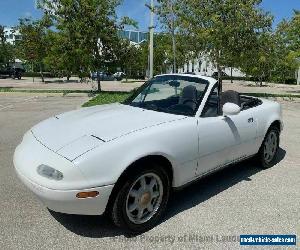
column 59, row 196
column 65, row 201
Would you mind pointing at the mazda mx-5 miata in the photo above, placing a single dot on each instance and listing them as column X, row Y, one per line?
column 125, row 158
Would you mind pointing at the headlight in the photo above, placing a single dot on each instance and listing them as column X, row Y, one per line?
column 49, row 172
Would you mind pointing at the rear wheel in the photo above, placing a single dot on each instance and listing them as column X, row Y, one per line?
column 142, row 199
column 269, row 148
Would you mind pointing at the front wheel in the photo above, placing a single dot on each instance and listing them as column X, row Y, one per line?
column 142, row 200
column 269, row 148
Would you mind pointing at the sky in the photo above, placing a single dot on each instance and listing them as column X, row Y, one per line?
column 12, row 10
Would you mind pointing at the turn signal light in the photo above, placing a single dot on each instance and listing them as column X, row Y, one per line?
column 91, row 194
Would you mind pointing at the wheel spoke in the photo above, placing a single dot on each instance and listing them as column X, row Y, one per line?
column 140, row 212
column 155, row 194
column 143, row 183
column 150, row 207
column 152, row 183
column 134, row 193
column 133, row 207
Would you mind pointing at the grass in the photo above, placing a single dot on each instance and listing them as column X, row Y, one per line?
column 111, row 97
column 102, row 98
column 106, row 97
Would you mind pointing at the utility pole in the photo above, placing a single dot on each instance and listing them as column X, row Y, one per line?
column 151, row 29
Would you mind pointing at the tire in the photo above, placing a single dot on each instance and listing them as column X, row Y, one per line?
column 138, row 207
column 269, row 148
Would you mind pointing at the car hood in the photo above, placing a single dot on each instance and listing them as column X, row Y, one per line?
column 74, row 133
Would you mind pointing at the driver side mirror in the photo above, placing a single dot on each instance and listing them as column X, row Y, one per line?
column 230, row 109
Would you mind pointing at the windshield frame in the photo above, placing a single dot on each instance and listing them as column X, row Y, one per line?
column 194, row 79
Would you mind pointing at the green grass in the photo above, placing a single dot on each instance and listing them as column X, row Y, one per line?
column 6, row 89
column 111, row 97
column 106, row 97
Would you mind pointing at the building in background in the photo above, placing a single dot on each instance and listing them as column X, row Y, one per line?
column 11, row 35
column 134, row 36
column 202, row 66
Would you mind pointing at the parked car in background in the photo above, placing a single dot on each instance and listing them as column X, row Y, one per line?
column 216, row 75
column 119, row 75
column 104, row 76
column 13, row 72
column 126, row 158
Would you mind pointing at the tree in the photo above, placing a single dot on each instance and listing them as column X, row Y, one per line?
column 62, row 58
column 167, row 14
column 225, row 29
column 34, row 44
column 131, row 58
column 274, row 57
column 90, row 28
column 293, row 32
column 289, row 34
column 260, row 60
column 7, row 50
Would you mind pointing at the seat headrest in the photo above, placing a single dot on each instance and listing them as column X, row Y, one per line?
column 188, row 93
column 230, row 96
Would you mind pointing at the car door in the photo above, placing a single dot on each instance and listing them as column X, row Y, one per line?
column 222, row 140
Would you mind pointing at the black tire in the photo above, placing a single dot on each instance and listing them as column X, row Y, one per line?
column 119, row 207
column 267, row 162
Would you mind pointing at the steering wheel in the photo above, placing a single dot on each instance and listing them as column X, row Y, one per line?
column 151, row 106
column 181, row 108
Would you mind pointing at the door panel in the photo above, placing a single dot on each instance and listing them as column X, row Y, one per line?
column 245, row 126
column 180, row 139
column 224, row 139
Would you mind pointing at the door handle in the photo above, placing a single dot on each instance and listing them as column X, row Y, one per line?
column 250, row 119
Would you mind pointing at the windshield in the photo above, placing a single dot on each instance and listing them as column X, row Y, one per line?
column 174, row 94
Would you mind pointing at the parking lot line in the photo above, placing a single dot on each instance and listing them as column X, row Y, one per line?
column 12, row 104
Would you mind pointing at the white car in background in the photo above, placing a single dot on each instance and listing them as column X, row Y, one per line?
column 119, row 75
column 125, row 158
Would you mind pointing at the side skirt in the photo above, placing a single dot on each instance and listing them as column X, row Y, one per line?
column 214, row 170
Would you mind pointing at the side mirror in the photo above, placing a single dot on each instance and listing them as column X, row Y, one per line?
column 230, row 109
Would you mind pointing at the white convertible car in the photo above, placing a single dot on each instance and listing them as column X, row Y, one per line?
column 125, row 158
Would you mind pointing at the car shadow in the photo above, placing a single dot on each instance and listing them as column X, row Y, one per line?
column 190, row 196
column 214, row 184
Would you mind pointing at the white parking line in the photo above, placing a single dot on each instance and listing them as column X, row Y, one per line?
column 5, row 107
column 12, row 105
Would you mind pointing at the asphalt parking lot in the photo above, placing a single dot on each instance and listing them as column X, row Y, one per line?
column 209, row 214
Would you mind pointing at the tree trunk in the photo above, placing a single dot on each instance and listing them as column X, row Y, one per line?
column 98, row 83
column 41, row 72
column 231, row 74
column 32, row 72
column 220, row 78
column 174, row 49
column 261, row 82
